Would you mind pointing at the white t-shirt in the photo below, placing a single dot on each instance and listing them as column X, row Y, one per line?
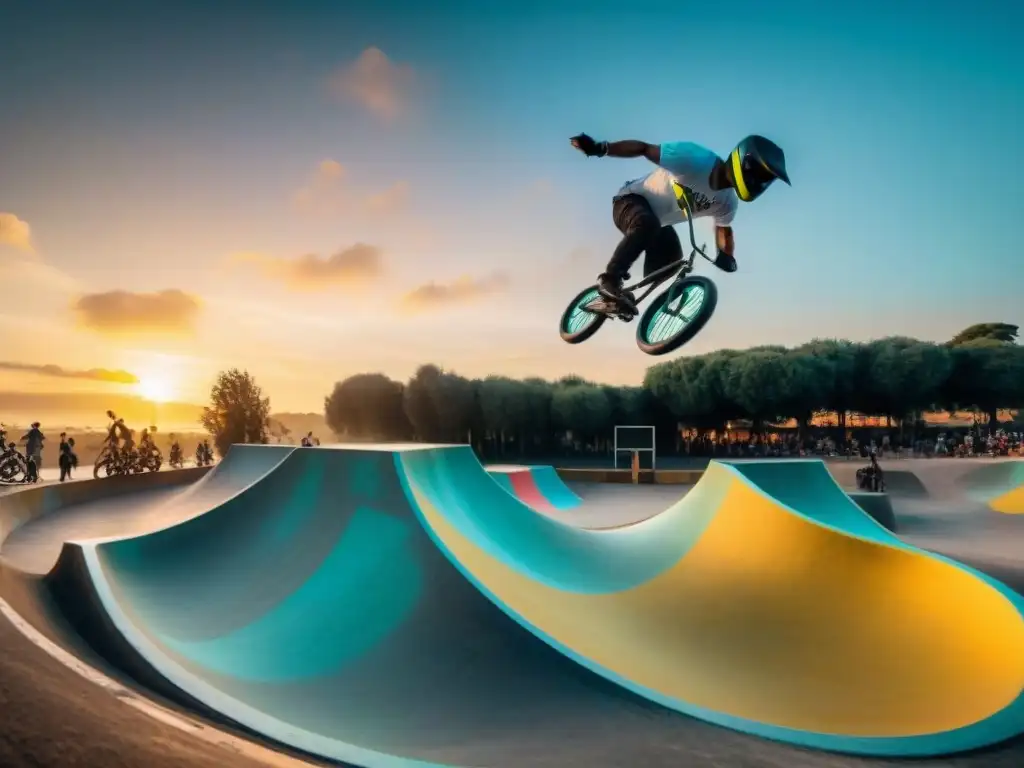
column 689, row 164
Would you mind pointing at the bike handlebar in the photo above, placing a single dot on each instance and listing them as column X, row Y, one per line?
column 684, row 204
column 658, row 275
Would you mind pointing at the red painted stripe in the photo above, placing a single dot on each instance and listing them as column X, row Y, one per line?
column 526, row 491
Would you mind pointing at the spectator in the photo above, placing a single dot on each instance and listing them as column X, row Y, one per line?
column 67, row 459
column 34, row 445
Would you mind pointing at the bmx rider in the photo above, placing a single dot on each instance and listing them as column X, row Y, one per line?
column 646, row 209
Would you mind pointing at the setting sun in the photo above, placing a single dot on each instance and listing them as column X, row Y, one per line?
column 155, row 389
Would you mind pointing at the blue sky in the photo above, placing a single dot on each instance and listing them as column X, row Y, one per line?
column 144, row 145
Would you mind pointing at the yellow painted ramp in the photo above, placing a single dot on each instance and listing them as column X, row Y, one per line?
column 767, row 620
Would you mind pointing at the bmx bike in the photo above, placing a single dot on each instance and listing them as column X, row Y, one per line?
column 114, row 460
column 14, row 467
column 671, row 319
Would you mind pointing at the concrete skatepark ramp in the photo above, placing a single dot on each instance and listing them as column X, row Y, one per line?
column 539, row 487
column 996, row 485
column 1000, row 486
column 395, row 607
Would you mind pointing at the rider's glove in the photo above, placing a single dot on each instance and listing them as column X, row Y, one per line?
column 588, row 146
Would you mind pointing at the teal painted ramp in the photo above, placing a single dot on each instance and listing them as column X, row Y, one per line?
column 313, row 609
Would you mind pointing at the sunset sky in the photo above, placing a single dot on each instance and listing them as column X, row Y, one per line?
column 309, row 190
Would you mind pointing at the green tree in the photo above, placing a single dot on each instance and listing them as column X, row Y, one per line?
column 665, row 383
column 418, row 399
column 629, row 405
column 1002, row 332
column 441, row 406
column 905, row 375
column 582, row 409
column 841, row 374
column 505, row 410
column 810, row 378
column 455, row 402
column 713, row 383
column 760, row 382
column 693, row 389
column 678, row 386
column 572, row 380
column 368, row 406
column 238, row 412
column 986, row 375
column 539, row 434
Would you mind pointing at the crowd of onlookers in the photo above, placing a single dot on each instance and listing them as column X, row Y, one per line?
column 1001, row 443
column 21, row 459
column 965, row 443
column 31, row 461
column 19, row 465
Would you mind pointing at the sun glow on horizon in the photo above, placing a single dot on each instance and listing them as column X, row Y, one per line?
column 156, row 389
column 159, row 375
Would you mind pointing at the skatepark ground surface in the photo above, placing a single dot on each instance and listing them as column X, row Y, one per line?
column 58, row 718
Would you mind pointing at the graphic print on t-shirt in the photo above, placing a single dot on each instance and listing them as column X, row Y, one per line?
column 684, row 168
column 698, row 201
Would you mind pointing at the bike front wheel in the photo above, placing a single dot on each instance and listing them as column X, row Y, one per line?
column 579, row 323
column 105, row 468
column 676, row 315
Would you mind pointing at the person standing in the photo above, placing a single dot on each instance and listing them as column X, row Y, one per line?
column 34, row 449
column 67, row 458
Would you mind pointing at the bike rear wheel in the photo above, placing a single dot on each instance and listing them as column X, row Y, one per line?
column 12, row 470
column 103, row 463
column 579, row 323
column 676, row 315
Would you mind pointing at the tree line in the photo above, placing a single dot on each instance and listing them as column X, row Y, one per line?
column 980, row 369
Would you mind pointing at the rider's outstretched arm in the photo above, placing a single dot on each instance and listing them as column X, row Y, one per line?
column 634, row 148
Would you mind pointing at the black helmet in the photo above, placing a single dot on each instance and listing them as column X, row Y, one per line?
column 755, row 164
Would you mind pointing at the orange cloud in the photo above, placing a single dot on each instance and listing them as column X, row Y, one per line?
column 464, row 290
column 326, row 192
column 377, row 83
column 349, row 267
column 15, row 232
column 391, row 200
column 170, row 312
column 93, row 374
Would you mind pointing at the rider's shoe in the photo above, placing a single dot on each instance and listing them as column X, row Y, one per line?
column 610, row 286
column 726, row 262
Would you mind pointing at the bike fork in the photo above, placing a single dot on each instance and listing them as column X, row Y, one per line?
column 673, row 294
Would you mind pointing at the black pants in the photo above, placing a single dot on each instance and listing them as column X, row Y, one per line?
column 642, row 232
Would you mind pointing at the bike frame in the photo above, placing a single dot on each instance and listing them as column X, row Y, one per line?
column 678, row 269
